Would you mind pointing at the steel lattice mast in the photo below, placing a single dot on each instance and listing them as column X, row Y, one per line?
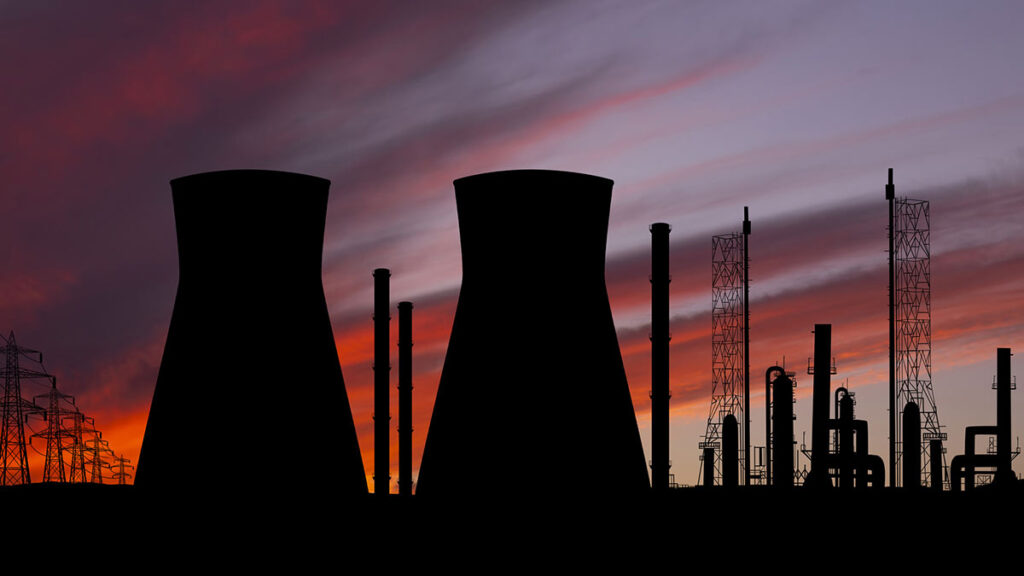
column 121, row 466
column 727, row 347
column 13, row 409
column 78, row 447
column 912, row 329
column 53, row 470
column 58, row 438
column 66, row 428
column 96, row 447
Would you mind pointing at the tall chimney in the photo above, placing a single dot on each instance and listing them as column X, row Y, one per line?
column 822, row 392
column 405, row 398
column 660, row 392
column 1004, row 470
column 381, row 382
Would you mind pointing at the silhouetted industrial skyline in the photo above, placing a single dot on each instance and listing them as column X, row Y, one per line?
column 488, row 403
column 694, row 110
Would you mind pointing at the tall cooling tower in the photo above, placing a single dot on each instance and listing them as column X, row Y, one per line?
column 533, row 400
column 250, row 397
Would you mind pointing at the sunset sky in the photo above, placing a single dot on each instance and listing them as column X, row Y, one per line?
column 695, row 109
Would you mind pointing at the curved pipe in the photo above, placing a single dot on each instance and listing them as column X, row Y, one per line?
column 859, row 459
column 841, row 390
column 972, row 435
column 872, row 464
column 963, row 467
column 970, row 460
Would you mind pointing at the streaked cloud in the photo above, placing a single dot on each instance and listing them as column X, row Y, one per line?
column 695, row 109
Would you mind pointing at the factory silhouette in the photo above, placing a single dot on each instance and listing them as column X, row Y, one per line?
column 253, row 239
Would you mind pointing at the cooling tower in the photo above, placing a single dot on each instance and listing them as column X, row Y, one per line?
column 533, row 400
column 250, row 397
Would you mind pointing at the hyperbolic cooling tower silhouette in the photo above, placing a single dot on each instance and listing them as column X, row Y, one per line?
column 533, row 395
column 250, row 390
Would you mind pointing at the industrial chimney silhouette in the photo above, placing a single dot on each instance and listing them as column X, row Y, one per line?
column 822, row 373
column 250, row 327
column 533, row 390
column 660, row 336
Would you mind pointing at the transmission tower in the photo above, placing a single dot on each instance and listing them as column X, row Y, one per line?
column 96, row 447
column 59, row 438
column 78, row 420
column 729, row 388
column 912, row 329
column 13, row 411
column 121, row 466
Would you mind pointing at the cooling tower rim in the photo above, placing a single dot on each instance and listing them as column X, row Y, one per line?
column 260, row 174
column 529, row 174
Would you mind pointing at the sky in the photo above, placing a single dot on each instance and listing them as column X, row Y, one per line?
column 695, row 109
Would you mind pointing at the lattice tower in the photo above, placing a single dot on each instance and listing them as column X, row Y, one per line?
column 914, row 330
column 121, row 466
column 77, row 469
column 59, row 438
column 96, row 447
column 727, row 361
column 13, row 410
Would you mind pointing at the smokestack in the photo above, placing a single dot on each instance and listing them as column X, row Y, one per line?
column 660, row 336
column 405, row 398
column 822, row 393
column 381, row 382
column 912, row 446
column 1004, row 470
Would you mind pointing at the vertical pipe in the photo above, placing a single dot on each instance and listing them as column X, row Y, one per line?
column 935, row 460
column 969, row 447
column 890, row 195
column 730, row 451
column 911, row 446
column 846, row 440
column 660, row 392
column 822, row 393
column 1004, row 471
column 768, row 424
column 405, row 398
column 864, row 460
column 381, row 382
column 709, row 467
column 783, row 417
column 746, row 349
